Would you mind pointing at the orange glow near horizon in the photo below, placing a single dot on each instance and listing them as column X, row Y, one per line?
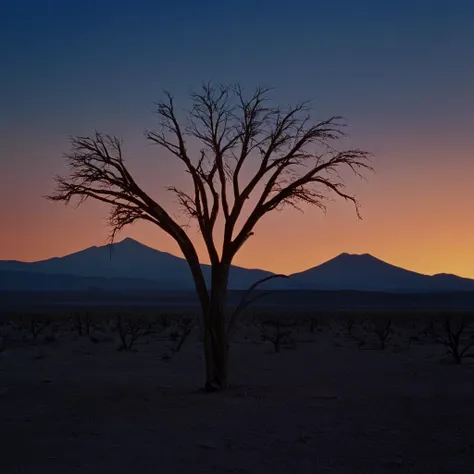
column 399, row 72
column 413, row 218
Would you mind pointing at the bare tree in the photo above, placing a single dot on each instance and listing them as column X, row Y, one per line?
column 182, row 330
column 131, row 329
column 36, row 324
column 296, row 163
column 455, row 337
column 277, row 331
column 312, row 323
column 383, row 330
column 350, row 320
column 83, row 323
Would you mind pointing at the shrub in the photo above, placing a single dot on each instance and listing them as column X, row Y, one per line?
column 278, row 331
column 83, row 323
column 312, row 322
column 453, row 334
column 181, row 331
column 131, row 329
column 383, row 331
column 36, row 324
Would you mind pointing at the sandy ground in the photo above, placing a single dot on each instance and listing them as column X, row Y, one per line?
column 326, row 404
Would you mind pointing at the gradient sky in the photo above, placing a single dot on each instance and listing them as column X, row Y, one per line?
column 401, row 72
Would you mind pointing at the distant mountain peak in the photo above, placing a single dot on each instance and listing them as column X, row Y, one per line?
column 129, row 241
column 134, row 247
column 129, row 244
column 347, row 254
column 133, row 262
column 355, row 257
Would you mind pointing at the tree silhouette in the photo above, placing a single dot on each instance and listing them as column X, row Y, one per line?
column 296, row 163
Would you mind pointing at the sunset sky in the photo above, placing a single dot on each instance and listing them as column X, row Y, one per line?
column 401, row 72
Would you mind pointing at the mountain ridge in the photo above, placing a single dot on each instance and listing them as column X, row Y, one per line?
column 132, row 263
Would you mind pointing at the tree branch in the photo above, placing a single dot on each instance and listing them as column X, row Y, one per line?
column 245, row 302
column 97, row 171
column 294, row 159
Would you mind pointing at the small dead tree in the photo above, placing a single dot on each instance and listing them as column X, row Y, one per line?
column 383, row 331
column 36, row 324
column 83, row 323
column 312, row 322
column 277, row 331
column 454, row 335
column 181, row 332
column 254, row 158
column 350, row 324
column 131, row 329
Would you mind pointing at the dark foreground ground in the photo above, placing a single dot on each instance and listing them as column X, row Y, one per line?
column 328, row 402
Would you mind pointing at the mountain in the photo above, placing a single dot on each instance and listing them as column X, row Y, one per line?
column 130, row 265
column 368, row 273
column 120, row 263
column 125, row 259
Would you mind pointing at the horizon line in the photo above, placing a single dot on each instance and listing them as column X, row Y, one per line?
column 236, row 265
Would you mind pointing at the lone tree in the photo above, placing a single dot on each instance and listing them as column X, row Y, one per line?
column 294, row 161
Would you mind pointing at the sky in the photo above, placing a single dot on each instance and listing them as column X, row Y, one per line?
column 402, row 73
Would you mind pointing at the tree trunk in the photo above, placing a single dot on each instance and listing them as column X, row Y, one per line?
column 216, row 346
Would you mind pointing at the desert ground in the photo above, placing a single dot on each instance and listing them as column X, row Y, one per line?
column 74, row 399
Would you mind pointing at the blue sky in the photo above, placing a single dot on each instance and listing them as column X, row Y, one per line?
column 402, row 72
column 106, row 59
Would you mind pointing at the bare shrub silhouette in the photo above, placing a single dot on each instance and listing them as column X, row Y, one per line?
column 182, row 330
column 455, row 336
column 312, row 323
column 350, row 320
column 278, row 331
column 382, row 328
column 296, row 162
column 36, row 324
column 83, row 323
column 131, row 329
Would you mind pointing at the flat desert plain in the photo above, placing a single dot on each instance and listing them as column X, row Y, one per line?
column 329, row 401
